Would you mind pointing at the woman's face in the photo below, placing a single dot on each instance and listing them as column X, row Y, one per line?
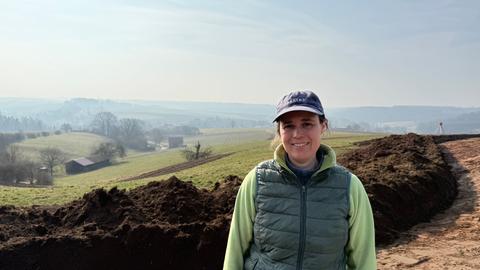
column 300, row 133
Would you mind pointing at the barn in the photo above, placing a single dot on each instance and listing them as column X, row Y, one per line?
column 85, row 164
column 175, row 141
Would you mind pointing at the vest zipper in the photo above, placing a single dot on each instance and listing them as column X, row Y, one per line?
column 303, row 225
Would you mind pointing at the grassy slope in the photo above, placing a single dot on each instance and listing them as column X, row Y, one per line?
column 249, row 148
column 224, row 136
column 74, row 144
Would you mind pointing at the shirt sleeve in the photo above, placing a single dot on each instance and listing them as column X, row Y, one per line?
column 361, row 246
column 241, row 227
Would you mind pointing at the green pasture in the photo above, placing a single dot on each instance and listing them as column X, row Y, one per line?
column 74, row 144
column 227, row 136
column 249, row 146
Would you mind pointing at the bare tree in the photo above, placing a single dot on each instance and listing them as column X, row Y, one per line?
column 132, row 134
column 16, row 168
column 131, row 128
column 197, row 152
column 104, row 123
column 65, row 127
column 109, row 150
column 197, row 149
column 156, row 135
column 13, row 154
column 7, row 139
column 51, row 157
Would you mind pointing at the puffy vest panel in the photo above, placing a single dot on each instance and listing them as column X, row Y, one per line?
column 296, row 226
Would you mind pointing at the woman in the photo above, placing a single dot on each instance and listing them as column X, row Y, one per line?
column 300, row 210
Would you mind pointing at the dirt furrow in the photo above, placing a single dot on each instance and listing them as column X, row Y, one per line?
column 176, row 167
column 451, row 240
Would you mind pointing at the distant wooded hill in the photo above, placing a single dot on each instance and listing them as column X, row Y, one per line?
column 13, row 124
column 79, row 112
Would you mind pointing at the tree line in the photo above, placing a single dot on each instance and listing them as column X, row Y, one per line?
column 127, row 131
column 15, row 168
column 13, row 124
column 7, row 139
column 132, row 132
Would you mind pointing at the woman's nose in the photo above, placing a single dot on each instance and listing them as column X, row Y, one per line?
column 297, row 132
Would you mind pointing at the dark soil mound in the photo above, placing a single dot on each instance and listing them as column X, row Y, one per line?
column 454, row 137
column 163, row 225
column 406, row 178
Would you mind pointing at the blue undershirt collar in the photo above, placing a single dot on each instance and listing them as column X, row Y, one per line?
column 304, row 175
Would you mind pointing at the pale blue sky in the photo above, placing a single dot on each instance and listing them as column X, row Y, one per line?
column 352, row 53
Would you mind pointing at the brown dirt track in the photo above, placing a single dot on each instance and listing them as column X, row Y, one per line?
column 173, row 225
column 176, row 167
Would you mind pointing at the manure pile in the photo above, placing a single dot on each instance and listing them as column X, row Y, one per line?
column 406, row 178
column 173, row 225
column 163, row 225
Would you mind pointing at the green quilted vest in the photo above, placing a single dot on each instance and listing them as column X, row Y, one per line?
column 299, row 226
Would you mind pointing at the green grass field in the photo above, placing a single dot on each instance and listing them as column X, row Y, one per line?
column 73, row 144
column 227, row 136
column 249, row 146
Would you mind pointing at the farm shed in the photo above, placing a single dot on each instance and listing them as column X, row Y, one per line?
column 175, row 141
column 85, row 164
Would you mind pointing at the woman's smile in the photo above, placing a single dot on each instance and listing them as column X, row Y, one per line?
column 300, row 132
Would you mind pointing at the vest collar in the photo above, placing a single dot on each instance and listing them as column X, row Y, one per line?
column 329, row 158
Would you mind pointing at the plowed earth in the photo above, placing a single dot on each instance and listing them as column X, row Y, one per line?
column 164, row 225
column 173, row 225
column 451, row 240
column 406, row 178
column 176, row 167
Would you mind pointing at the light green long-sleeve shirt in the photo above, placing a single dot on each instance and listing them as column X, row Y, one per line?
column 360, row 249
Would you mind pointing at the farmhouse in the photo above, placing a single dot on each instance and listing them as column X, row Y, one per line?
column 85, row 164
column 175, row 141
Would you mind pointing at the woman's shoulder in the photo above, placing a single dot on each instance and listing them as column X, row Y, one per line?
column 266, row 164
column 338, row 169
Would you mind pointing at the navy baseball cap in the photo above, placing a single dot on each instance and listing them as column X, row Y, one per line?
column 299, row 101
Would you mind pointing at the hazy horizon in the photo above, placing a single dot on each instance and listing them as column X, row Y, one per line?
column 63, row 99
column 352, row 54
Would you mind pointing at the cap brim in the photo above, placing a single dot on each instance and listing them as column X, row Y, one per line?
column 297, row 108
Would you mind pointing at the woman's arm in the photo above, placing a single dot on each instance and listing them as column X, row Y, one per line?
column 241, row 227
column 361, row 246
